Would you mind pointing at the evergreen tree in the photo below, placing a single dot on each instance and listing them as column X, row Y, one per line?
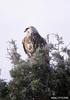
column 60, row 82
column 38, row 79
column 29, row 79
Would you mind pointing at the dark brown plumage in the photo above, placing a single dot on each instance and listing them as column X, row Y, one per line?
column 32, row 40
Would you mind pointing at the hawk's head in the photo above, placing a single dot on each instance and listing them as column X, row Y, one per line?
column 30, row 30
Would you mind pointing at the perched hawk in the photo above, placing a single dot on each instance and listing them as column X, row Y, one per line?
column 32, row 40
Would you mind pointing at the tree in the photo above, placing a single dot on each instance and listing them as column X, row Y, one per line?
column 61, row 80
column 29, row 79
column 38, row 79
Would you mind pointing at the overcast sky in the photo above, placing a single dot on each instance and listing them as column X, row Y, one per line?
column 48, row 16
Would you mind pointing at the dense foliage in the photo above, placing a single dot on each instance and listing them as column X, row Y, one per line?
column 3, row 90
column 37, row 79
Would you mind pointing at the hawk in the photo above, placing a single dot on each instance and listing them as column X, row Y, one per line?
column 32, row 40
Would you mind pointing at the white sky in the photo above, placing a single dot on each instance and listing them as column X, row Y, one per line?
column 48, row 16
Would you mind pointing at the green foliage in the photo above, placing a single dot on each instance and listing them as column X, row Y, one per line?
column 14, row 56
column 39, row 79
column 61, row 80
column 29, row 78
column 3, row 90
column 44, row 75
